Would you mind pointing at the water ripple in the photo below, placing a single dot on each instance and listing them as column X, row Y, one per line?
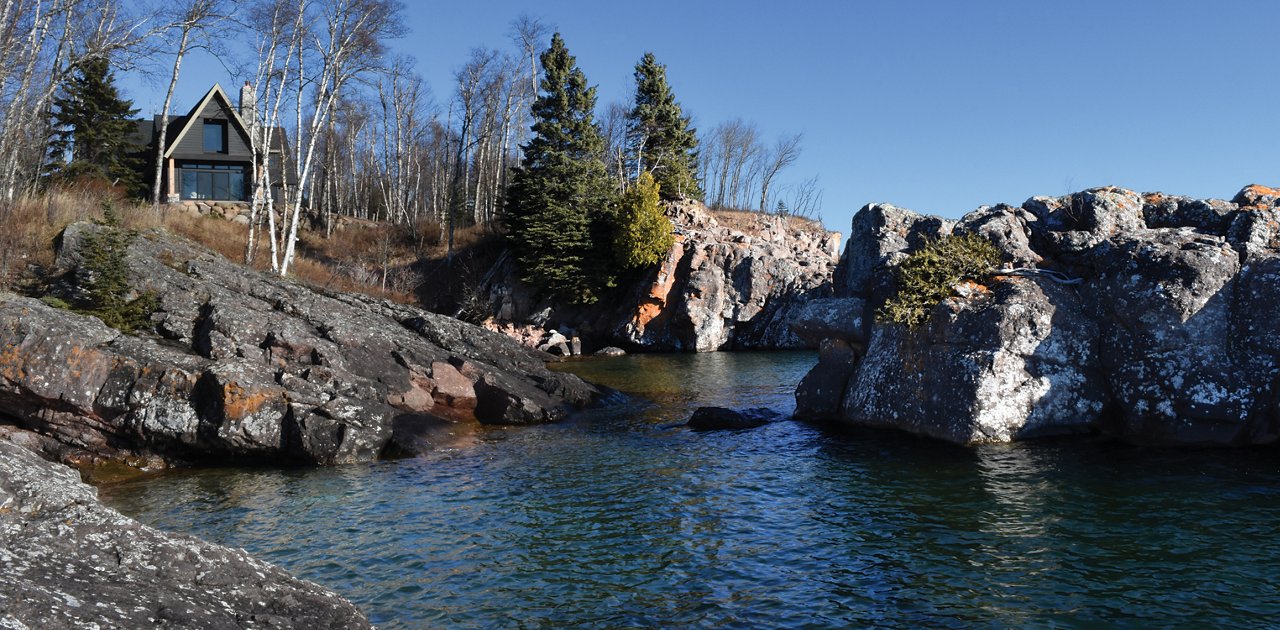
column 616, row 520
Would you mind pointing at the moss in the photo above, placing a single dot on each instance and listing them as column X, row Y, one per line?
column 929, row 276
column 56, row 302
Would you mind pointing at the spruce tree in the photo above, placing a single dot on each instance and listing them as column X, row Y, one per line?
column 92, row 124
column 560, row 206
column 659, row 136
column 644, row 232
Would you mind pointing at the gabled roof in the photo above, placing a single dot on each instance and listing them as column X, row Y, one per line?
column 189, row 120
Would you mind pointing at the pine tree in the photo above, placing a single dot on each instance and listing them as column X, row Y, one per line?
column 560, row 207
column 92, row 124
column 659, row 136
column 644, row 232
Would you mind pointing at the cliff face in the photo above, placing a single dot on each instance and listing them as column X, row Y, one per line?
column 251, row 366
column 718, row 288
column 70, row 562
column 1169, row 335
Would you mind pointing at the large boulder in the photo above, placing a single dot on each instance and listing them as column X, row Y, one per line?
column 71, row 562
column 1150, row 318
column 880, row 237
column 1016, row 360
column 253, row 366
column 1172, row 355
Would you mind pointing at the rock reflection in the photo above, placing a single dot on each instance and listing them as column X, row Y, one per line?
column 612, row 520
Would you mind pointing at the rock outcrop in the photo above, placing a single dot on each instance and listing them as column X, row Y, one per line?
column 251, row 366
column 718, row 288
column 71, row 562
column 1169, row 336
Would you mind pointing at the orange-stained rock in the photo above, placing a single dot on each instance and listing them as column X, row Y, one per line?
column 451, row 388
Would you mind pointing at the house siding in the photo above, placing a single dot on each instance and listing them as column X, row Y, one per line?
column 191, row 147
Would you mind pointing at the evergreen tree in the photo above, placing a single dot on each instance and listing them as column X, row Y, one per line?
column 644, row 232
column 92, row 124
column 659, row 137
column 559, row 211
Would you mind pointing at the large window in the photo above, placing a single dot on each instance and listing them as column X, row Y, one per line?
column 215, row 136
column 223, row 182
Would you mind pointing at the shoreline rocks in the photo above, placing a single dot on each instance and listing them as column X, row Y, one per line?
column 719, row 287
column 249, row 366
column 1169, row 337
column 70, row 561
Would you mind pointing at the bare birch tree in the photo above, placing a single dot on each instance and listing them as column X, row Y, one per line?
column 783, row 154
column 190, row 22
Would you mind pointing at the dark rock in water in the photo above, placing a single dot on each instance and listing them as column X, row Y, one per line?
column 254, row 367
column 70, row 561
column 819, row 393
column 610, row 351
column 1165, row 333
column 713, row 418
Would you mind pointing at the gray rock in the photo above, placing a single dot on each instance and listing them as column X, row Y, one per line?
column 1168, row 344
column 821, row 392
column 1210, row 216
column 69, row 562
column 610, row 351
column 844, row 319
column 880, row 237
column 721, row 418
column 1006, row 227
column 1169, row 337
column 254, row 367
column 1018, row 360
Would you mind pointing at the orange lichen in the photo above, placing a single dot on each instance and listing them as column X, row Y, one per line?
column 239, row 403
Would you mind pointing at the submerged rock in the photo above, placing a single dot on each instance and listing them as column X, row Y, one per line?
column 70, row 561
column 718, row 418
column 253, row 366
column 1168, row 336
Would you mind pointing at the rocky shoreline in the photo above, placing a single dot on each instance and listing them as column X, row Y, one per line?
column 247, row 366
column 70, row 561
column 1165, row 333
column 719, row 287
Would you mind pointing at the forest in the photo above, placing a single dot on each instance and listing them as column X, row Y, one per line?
column 364, row 136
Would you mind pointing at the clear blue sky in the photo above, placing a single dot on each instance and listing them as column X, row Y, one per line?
column 936, row 106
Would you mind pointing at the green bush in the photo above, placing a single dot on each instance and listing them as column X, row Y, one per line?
column 104, row 271
column 929, row 276
column 644, row 233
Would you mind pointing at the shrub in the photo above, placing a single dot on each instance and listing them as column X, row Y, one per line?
column 929, row 275
column 105, row 271
column 644, row 233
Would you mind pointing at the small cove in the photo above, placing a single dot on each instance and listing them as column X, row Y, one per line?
column 616, row 519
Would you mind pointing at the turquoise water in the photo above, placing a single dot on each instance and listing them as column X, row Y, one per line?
column 616, row 519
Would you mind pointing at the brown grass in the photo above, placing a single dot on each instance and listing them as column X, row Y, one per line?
column 748, row 222
column 340, row 263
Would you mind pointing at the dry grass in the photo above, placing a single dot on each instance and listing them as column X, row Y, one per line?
column 341, row 263
column 749, row 222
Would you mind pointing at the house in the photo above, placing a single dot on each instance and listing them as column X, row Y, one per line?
column 208, row 155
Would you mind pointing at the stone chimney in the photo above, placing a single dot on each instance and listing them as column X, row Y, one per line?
column 248, row 106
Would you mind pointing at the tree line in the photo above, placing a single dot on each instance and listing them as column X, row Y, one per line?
column 366, row 137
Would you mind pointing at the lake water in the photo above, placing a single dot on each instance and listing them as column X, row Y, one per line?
column 617, row 519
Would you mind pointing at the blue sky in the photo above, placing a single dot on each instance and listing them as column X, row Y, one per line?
column 935, row 106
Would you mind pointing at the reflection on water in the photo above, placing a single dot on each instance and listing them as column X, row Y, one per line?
column 616, row 519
